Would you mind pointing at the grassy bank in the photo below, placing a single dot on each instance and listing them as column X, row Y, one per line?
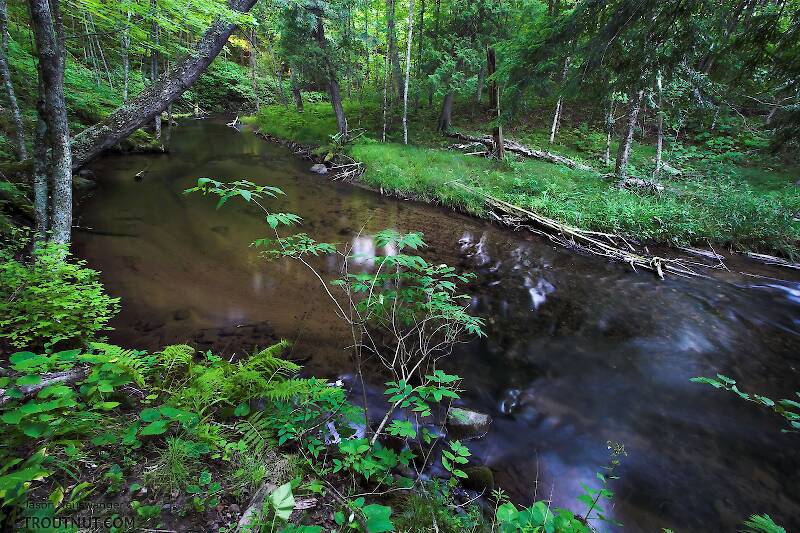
column 719, row 197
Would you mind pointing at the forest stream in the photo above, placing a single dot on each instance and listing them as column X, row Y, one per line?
column 579, row 351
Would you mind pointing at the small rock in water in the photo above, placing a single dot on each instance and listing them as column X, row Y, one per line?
column 466, row 424
column 510, row 401
column 80, row 183
column 319, row 168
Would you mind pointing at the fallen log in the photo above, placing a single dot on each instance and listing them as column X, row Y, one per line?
column 518, row 148
column 594, row 242
column 772, row 260
column 66, row 377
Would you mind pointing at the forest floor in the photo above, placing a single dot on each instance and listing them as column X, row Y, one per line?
column 744, row 200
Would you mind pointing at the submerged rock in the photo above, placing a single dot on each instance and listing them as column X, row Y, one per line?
column 319, row 168
column 467, row 424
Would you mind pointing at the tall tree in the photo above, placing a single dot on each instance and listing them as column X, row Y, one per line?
column 48, row 31
column 5, row 75
column 408, row 69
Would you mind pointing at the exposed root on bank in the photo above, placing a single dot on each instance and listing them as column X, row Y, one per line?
column 517, row 148
column 594, row 242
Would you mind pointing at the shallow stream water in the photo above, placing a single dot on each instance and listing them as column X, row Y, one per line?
column 579, row 351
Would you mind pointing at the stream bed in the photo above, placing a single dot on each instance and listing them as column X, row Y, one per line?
column 579, row 351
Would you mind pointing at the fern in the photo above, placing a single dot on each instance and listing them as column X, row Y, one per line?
column 172, row 359
column 257, row 433
column 268, row 362
column 136, row 364
column 762, row 524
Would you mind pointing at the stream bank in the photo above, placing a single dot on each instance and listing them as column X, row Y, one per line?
column 579, row 351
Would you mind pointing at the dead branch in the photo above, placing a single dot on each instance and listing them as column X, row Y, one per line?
column 66, row 377
column 518, row 148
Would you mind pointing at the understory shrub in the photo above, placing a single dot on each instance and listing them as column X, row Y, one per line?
column 51, row 300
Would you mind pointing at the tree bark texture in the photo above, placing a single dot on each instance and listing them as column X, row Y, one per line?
column 48, row 33
column 408, row 69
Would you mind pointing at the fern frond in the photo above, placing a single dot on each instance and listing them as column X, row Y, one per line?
column 762, row 524
column 137, row 364
column 173, row 359
column 268, row 361
column 257, row 433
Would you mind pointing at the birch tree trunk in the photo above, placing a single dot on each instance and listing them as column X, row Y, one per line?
column 408, row 69
column 5, row 74
column 609, row 130
column 559, row 104
column 48, row 32
column 154, row 99
column 660, row 138
column 624, row 151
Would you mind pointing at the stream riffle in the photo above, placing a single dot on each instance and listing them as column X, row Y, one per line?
column 579, row 351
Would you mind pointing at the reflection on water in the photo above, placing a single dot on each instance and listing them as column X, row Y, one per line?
column 579, row 351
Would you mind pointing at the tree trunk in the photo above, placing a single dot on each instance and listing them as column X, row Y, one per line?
column 559, row 104
column 393, row 53
column 385, row 93
column 330, row 73
column 408, row 69
column 154, row 99
column 40, row 187
column 609, row 130
column 48, row 31
column 296, row 93
column 660, row 138
column 253, row 78
column 446, row 116
column 126, row 60
column 624, row 151
column 5, row 74
column 479, row 87
column 494, row 95
column 154, row 63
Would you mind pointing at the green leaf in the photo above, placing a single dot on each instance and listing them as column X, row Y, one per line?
column 378, row 518
column 155, row 428
column 150, row 414
column 282, row 501
column 29, row 380
column 242, row 409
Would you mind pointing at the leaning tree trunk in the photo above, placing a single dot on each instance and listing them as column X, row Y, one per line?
column 408, row 69
column 49, row 35
column 624, row 151
column 446, row 116
column 5, row 74
column 153, row 100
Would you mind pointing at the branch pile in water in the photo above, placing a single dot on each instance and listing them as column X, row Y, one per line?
column 594, row 242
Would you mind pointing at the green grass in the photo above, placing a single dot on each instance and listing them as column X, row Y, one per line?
column 744, row 206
